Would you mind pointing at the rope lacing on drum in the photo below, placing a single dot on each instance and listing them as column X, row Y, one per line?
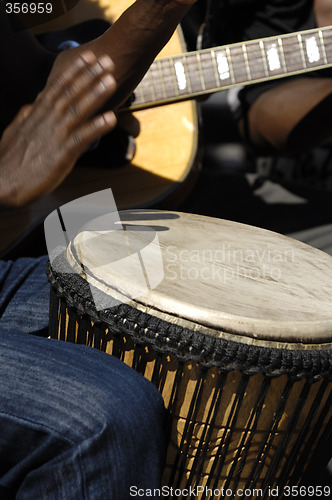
column 185, row 344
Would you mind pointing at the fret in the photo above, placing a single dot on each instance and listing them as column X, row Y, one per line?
column 321, row 40
column 200, row 71
column 174, row 77
column 282, row 55
column 327, row 42
column 215, row 67
column 299, row 38
column 238, row 63
column 266, row 69
column 230, row 63
column 292, row 55
column 161, row 81
column 273, row 57
column 312, row 51
column 256, row 61
column 156, row 81
column 223, row 67
column 139, row 93
column 246, row 62
column 209, row 69
column 147, row 90
column 189, row 88
column 194, row 73
column 181, row 78
column 168, row 78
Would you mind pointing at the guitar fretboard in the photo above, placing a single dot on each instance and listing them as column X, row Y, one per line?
column 195, row 73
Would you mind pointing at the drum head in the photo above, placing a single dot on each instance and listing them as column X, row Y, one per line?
column 216, row 274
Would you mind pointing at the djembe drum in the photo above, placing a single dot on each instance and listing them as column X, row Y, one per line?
column 236, row 333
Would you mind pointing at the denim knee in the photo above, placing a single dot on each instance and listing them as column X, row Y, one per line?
column 77, row 413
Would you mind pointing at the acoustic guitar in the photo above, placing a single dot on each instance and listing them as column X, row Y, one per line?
column 167, row 147
column 166, row 156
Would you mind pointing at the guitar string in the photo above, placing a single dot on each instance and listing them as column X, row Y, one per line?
column 162, row 72
column 292, row 60
column 237, row 57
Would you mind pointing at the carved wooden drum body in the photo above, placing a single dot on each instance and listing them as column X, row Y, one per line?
column 232, row 323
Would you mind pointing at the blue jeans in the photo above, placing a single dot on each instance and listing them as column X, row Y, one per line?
column 75, row 423
column 24, row 297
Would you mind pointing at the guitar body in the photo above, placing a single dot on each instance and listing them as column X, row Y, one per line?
column 165, row 161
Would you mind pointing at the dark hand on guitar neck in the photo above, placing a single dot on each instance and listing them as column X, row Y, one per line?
column 133, row 41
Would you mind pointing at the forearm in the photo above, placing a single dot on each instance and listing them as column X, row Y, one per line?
column 135, row 39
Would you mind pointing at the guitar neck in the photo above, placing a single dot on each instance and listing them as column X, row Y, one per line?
column 206, row 71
